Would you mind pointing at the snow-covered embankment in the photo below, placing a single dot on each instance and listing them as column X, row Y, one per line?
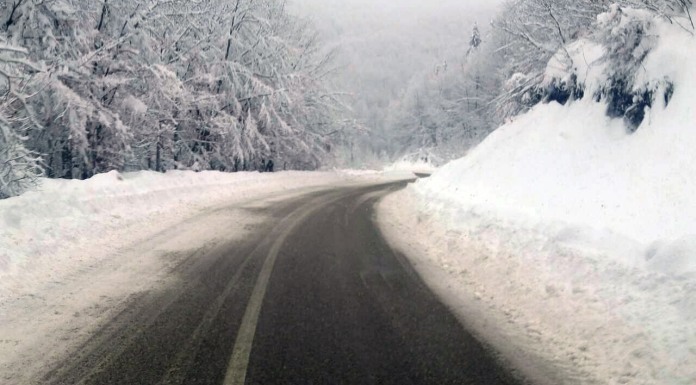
column 567, row 241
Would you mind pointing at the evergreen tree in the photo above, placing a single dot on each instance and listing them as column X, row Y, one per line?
column 475, row 41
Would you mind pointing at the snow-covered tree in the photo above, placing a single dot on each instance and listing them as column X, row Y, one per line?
column 530, row 33
column 669, row 9
column 19, row 166
column 446, row 110
column 475, row 40
column 165, row 84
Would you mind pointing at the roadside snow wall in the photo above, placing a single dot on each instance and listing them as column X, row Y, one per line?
column 66, row 224
column 566, row 235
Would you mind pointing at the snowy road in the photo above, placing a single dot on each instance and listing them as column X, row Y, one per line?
column 313, row 296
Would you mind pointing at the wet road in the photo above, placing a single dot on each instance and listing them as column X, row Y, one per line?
column 316, row 296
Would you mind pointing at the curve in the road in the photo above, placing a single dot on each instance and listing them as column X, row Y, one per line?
column 315, row 297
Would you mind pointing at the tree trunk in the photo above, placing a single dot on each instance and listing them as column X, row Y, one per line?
column 158, row 158
column 103, row 16
column 11, row 20
column 67, row 161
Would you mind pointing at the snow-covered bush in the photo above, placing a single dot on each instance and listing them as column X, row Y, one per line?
column 606, row 64
column 531, row 33
column 551, row 58
column 629, row 36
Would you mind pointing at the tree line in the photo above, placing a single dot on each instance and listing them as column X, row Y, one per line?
column 91, row 86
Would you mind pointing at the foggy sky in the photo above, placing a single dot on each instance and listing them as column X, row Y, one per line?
column 386, row 43
column 407, row 17
column 390, row 11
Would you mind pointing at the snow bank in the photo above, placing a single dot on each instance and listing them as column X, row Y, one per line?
column 416, row 167
column 65, row 224
column 551, row 170
column 575, row 239
column 386, row 174
column 551, row 167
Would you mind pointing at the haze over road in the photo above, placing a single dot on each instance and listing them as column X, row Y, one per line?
column 316, row 296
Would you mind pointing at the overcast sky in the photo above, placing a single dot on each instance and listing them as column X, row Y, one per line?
column 397, row 9
column 354, row 15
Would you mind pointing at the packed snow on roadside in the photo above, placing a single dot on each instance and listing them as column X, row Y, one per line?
column 42, row 230
column 423, row 162
column 416, row 167
column 567, row 241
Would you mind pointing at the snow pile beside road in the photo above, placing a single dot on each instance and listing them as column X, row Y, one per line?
column 566, row 236
column 416, row 167
column 66, row 224
column 384, row 175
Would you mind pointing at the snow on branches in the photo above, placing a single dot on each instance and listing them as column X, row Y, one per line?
column 19, row 166
column 548, row 48
column 162, row 84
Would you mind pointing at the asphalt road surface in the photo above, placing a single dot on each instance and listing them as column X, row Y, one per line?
column 316, row 296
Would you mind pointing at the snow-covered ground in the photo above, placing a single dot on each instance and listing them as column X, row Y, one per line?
column 417, row 167
column 73, row 252
column 566, row 237
column 41, row 231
